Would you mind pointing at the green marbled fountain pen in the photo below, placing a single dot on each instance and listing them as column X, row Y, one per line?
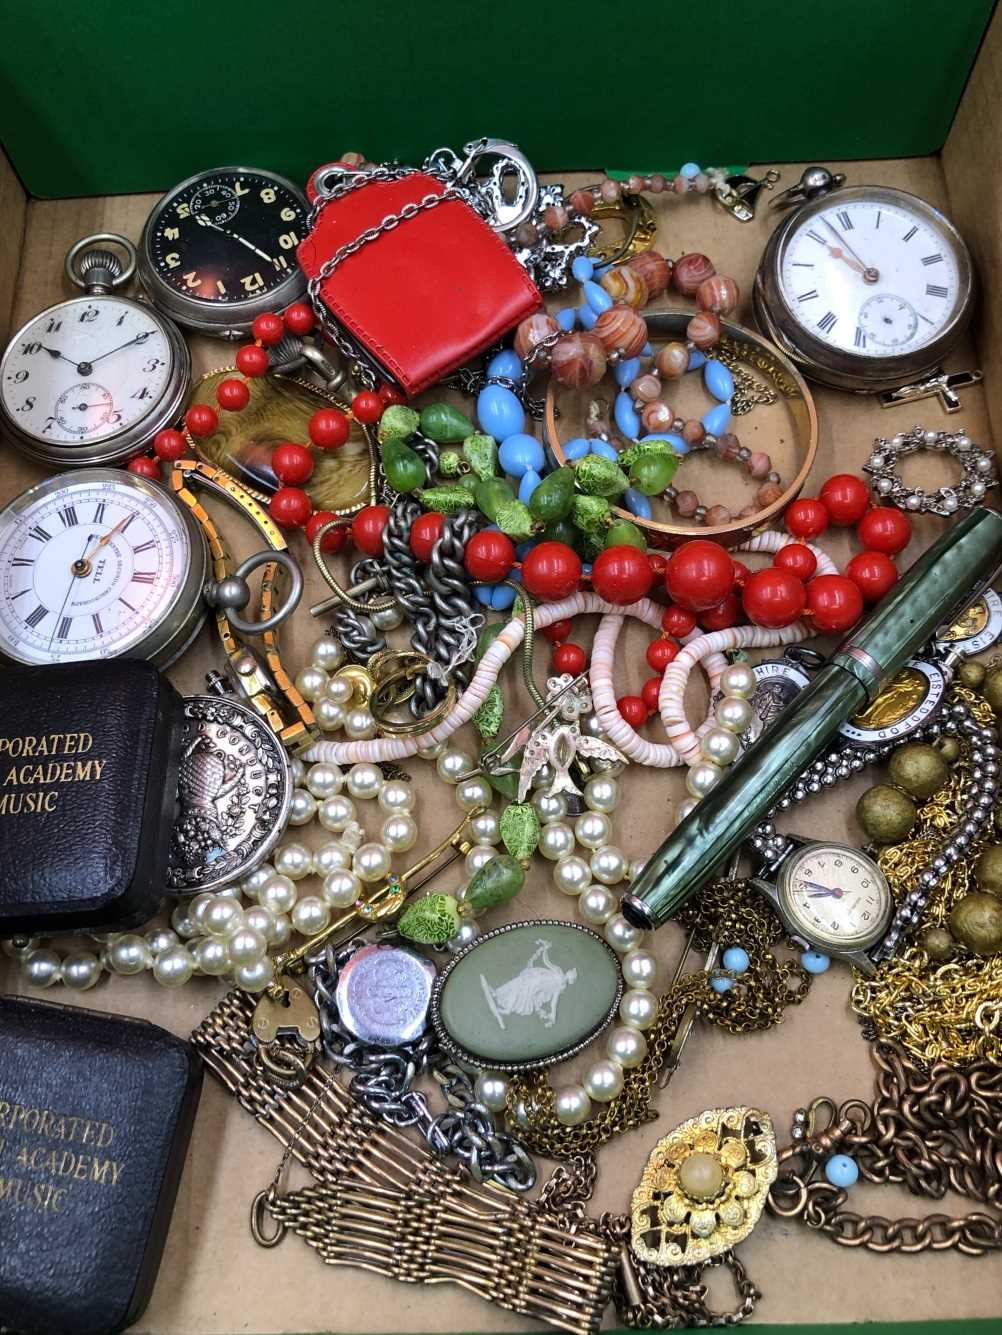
column 943, row 581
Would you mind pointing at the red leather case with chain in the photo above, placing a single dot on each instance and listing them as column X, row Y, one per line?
column 425, row 296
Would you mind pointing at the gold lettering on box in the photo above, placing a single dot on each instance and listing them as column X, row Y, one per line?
column 44, row 774
column 46, row 1173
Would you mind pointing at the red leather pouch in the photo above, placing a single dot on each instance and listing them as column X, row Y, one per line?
column 423, row 295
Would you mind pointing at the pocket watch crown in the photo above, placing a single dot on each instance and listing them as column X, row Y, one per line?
column 99, row 269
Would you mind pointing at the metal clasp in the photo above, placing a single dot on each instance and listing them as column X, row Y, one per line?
column 739, row 194
column 814, row 182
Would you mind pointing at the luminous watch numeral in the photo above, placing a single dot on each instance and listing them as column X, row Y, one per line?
column 844, row 220
column 37, row 616
column 932, row 259
column 63, row 629
column 40, row 533
column 68, row 515
column 828, row 321
column 909, row 234
column 936, row 290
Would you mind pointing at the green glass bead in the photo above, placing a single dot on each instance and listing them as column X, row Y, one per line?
column 976, row 922
column 451, row 463
column 625, row 534
column 651, row 476
column 398, row 422
column 486, row 638
column 514, row 519
column 646, row 449
column 489, row 717
column 938, row 944
column 492, row 494
column 404, row 467
column 552, row 499
column 988, row 869
column 886, row 814
column 505, row 784
column 495, row 883
column 444, row 424
column 600, row 477
column 447, row 498
column 562, row 531
column 520, row 830
column 992, row 690
column 481, row 453
column 590, row 514
column 430, row 921
column 948, row 748
column 972, row 674
column 919, row 769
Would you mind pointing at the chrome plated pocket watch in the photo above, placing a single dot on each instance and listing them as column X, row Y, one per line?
column 865, row 287
column 220, row 249
column 92, row 380
column 97, row 564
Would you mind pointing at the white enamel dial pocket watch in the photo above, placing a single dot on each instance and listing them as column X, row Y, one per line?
column 864, row 287
column 93, row 379
column 97, row 564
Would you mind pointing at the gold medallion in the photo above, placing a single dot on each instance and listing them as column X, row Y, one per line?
column 901, row 697
column 971, row 622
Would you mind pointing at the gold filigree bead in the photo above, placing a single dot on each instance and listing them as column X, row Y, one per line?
column 703, row 1222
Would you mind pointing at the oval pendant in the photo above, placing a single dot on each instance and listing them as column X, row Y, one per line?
column 526, row 995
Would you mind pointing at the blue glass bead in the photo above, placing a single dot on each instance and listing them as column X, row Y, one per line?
column 522, row 550
column 586, row 567
column 736, row 959
column 717, row 420
column 814, row 961
column 530, row 481
column 582, row 269
column 721, row 984
column 519, row 453
column 647, row 350
column 497, row 596
column 499, row 412
column 637, row 503
column 604, row 450
column 626, row 416
column 507, row 364
column 566, row 318
column 587, row 317
column 696, row 359
column 672, row 437
column 596, row 297
column 689, row 170
column 577, row 449
column 841, row 1171
column 602, row 269
column 627, row 371
column 718, row 380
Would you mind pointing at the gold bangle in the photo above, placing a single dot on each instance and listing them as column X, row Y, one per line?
column 414, row 727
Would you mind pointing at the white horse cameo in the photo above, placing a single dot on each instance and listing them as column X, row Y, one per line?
column 535, row 990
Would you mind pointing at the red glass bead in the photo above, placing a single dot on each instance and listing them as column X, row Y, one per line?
column 700, row 575
column 551, row 571
column 252, row 360
column 390, row 394
column 202, row 420
column 633, row 710
column 834, row 602
column 144, row 466
column 425, row 532
column 741, row 574
column 885, row 530
column 678, row 621
column 169, row 445
column 845, row 497
column 806, row 518
column 299, row 318
column 650, row 692
column 292, row 463
column 367, row 529
column 773, row 598
column 873, row 573
column 723, row 616
column 569, row 658
column 334, row 540
column 797, row 559
column 290, row 507
column 232, row 394
column 622, row 574
column 489, row 556
column 329, row 428
column 366, row 406
column 660, row 653
column 268, row 329
column 559, row 630
column 658, row 565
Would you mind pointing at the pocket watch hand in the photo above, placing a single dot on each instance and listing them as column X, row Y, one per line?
column 102, row 542
column 870, row 275
column 206, row 222
column 56, row 355
column 79, row 566
column 140, row 338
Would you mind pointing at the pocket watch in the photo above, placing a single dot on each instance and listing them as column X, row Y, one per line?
column 91, row 380
column 830, row 897
column 97, row 564
column 864, row 287
column 220, row 249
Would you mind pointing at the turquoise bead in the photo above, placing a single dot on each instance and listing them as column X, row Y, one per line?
column 582, row 269
column 577, row 449
column 626, row 416
column 721, row 984
column 689, row 170
column 696, row 359
column 717, row 420
column 587, row 317
column 566, row 318
column 627, row 371
column 604, row 450
column 507, row 364
column 672, row 437
column 718, row 380
column 841, row 1171
column 519, row 453
column 596, row 297
column 637, row 503
column 736, row 959
column 647, row 350
column 814, row 961
column 499, row 412
column 530, row 481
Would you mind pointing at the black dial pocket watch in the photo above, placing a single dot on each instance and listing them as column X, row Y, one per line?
column 92, row 380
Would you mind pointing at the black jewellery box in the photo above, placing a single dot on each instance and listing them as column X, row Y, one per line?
column 89, row 759
column 95, row 1116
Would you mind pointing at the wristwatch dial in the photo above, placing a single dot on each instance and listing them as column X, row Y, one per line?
column 906, row 702
column 834, row 897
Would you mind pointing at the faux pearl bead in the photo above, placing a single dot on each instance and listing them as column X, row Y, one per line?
column 473, row 792
column 719, row 746
column 160, row 938
column 246, row 944
column 638, row 1009
column 263, row 921
column 520, row 1112
column 341, row 889
column 82, row 969
column 702, row 777
column 640, row 968
column 364, row 782
column 129, row 954
column 603, row 1081
column 250, row 887
column 491, row 1090
column 335, row 813
column 20, row 947
column 622, row 935
column 626, row 1046
column 597, row 905
column 359, row 725
column 734, row 713
column 396, row 797
column 371, row 863
column 635, row 868
column 608, row 865
column 340, row 690
column 294, row 861
column 602, row 793
column 685, row 808
column 327, row 653
column 311, row 683
column 572, row 1106
column 467, row 934
column 183, row 923
column 399, row 833
column 549, row 806
column 297, row 770
column 556, row 840
column 282, row 932
column 329, row 716
column 278, row 895
column 453, row 766
column 330, row 857
column 43, row 967
column 222, row 916
column 212, row 956
column 738, row 679
column 171, row 968
column 543, row 778
column 310, row 915
column 571, row 875
column 479, row 857
column 593, row 829
column 324, row 780
column 486, row 828
column 302, row 808
column 387, row 618
column 254, row 977
column 431, row 750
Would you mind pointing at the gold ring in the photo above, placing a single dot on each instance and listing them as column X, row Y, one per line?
column 414, row 727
